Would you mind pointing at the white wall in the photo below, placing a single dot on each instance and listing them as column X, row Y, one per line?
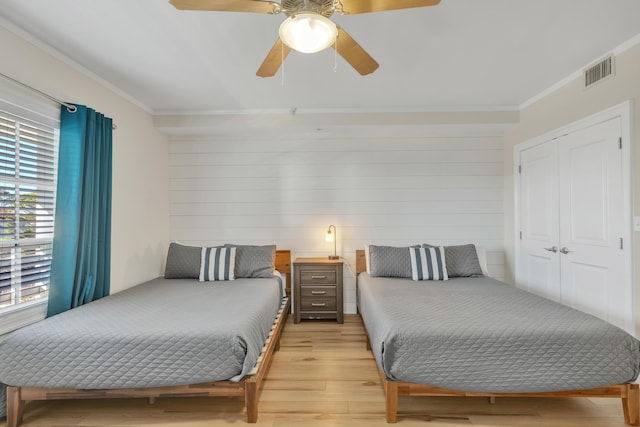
column 140, row 225
column 379, row 184
column 563, row 106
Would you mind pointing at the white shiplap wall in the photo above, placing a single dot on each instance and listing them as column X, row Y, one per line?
column 385, row 186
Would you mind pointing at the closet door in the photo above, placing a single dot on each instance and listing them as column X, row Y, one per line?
column 592, row 221
column 539, row 261
column 572, row 223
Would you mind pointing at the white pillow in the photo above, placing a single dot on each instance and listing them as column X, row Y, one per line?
column 482, row 259
column 283, row 281
column 367, row 258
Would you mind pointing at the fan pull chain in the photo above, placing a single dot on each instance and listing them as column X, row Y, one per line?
column 282, row 63
column 335, row 56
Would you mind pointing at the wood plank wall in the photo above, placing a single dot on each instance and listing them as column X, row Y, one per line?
column 385, row 186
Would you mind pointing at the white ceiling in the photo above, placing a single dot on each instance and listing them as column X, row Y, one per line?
column 459, row 55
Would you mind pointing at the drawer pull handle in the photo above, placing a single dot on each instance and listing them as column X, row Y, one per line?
column 318, row 304
column 318, row 277
column 318, row 292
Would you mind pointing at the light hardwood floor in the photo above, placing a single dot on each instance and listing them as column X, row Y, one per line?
column 323, row 376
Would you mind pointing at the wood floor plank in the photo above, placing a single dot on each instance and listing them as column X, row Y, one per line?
column 323, row 376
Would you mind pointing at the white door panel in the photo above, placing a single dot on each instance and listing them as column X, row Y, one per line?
column 539, row 261
column 592, row 185
column 592, row 291
column 541, row 185
column 542, row 276
column 591, row 218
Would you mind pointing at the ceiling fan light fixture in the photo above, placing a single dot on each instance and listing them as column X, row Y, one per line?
column 308, row 32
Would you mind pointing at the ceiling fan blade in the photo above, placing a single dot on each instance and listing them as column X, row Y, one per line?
column 274, row 59
column 365, row 6
column 257, row 6
column 354, row 54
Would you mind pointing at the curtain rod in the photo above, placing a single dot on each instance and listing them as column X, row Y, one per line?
column 71, row 108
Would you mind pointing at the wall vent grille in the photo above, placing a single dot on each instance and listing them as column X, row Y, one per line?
column 599, row 71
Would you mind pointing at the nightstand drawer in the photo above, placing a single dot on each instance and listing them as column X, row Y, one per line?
column 318, row 304
column 318, row 291
column 318, row 277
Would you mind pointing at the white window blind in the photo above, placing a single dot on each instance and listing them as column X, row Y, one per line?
column 28, row 161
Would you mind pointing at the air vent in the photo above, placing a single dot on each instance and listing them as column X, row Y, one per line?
column 599, row 71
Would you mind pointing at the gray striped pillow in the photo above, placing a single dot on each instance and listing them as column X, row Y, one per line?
column 428, row 263
column 217, row 264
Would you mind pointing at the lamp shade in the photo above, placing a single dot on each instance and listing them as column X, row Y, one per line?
column 332, row 237
column 329, row 237
column 308, row 32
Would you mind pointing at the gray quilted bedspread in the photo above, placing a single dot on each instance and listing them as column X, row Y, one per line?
column 479, row 334
column 159, row 333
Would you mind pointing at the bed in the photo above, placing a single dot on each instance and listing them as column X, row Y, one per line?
column 165, row 337
column 476, row 336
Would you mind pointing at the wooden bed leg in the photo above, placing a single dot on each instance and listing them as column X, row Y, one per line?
column 251, row 401
column 15, row 406
column 368, row 343
column 631, row 405
column 391, row 400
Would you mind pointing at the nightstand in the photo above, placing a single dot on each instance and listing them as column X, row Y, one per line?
column 317, row 289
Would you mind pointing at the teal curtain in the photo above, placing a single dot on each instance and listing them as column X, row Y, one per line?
column 81, row 257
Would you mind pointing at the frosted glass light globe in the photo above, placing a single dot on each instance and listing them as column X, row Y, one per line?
column 308, row 32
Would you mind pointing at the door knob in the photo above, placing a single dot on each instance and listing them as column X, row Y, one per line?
column 564, row 250
column 553, row 249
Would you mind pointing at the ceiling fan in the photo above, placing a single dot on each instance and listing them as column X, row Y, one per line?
column 308, row 28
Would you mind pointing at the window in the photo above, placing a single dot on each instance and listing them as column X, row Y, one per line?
column 28, row 160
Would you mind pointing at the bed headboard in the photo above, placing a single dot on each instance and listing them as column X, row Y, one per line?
column 283, row 265
column 361, row 262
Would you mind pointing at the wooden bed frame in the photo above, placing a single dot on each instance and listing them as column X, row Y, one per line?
column 628, row 393
column 249, row 386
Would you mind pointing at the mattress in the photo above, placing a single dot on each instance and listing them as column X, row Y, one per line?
column 479, row 334
column 160, row 333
